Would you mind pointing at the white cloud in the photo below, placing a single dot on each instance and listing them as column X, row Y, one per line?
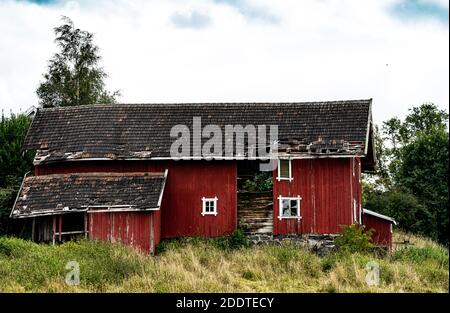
column 317, row 50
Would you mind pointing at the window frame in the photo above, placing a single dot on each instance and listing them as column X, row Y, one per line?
column 280, row 207
column 204, row 201
column 279, row 178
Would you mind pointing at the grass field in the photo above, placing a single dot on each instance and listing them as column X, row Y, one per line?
column 205, row 266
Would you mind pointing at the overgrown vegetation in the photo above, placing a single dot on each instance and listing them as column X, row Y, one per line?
column 355, row 238
column 261, row 182
column 200, row 265
column 236, row 240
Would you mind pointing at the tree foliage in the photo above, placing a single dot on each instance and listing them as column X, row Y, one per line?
column 74, row 76
column 413, row 172
column 13, row 163
column 424, row 171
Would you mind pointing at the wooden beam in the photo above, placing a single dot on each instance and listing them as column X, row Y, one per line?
column 54, row 229
column 85, row 225
column 33, row 225
column 152, row 235
column 60, row 228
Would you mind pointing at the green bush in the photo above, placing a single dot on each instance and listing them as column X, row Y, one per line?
column 236, row 240
column 14, row 247
column 250, row 185
column 261, row 182
column 355, row 238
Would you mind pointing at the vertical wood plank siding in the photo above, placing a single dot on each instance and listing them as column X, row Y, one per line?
column 328, row 191
column 382, row 235
column 129, row 228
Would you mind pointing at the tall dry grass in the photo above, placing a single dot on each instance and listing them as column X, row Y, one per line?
column 202, row 266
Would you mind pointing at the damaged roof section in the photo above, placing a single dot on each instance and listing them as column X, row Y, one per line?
column 142, row 131
column 65, row 193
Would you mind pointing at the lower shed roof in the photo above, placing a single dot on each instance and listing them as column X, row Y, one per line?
column 380, row 216
column 65, row 193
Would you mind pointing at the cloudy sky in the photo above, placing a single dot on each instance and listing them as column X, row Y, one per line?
column 394, row 51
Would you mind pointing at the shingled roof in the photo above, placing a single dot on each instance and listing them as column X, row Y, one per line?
column 65, row 193
column 142, row 131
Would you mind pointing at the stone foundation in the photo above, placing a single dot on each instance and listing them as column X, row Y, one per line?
column 320, row 244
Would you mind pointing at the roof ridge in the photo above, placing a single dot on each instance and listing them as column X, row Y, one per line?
column 210, row 103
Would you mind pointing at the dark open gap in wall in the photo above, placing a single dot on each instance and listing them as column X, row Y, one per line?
column 255, row 204
column 58, row 228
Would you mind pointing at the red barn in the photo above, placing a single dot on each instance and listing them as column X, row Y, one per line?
column 115, row 172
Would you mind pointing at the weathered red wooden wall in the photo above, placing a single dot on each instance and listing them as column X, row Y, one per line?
column 357, row 189
column 382, row 235
column 157, row 226
column 137, row 229
column 327, row 188
column 185, row 186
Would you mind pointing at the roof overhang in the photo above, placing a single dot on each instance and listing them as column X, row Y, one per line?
column 384, row 217
column 89, row 192
column 369, row 161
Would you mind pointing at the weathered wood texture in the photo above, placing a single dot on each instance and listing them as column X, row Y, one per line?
column 255, row 212
column 330, row 191
column 136, row 229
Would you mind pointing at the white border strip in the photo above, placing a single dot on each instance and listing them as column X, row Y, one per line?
column 384, row 217
column 18, row 194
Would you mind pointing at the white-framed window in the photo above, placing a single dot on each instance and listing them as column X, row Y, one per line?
column 289, row 207
column 209, row 206
column 284, row 170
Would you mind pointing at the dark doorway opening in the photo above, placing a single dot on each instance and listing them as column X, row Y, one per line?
column 255, row 202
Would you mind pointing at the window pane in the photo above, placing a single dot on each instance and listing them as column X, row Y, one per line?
column 284, row 168
column 285, row 207
column 210, row 206
column 294, row 207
